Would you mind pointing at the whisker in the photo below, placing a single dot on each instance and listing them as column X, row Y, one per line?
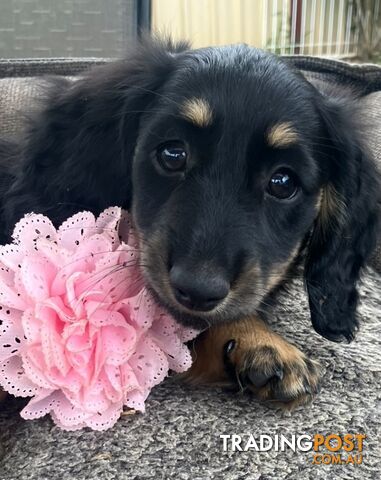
column 91, row 255
column 117, row 269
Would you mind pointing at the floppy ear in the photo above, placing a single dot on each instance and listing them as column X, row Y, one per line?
column 79, row 150
column 346, row 228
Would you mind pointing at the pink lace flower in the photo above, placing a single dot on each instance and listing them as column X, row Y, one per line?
column 79, row 332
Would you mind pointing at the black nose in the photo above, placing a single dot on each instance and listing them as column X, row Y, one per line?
column 198, row 290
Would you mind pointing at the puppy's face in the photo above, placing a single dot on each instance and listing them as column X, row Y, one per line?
column 227, row 182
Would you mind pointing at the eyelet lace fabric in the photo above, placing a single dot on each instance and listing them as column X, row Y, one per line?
column 79, row 332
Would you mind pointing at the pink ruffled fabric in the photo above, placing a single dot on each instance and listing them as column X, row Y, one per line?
column 79, row 332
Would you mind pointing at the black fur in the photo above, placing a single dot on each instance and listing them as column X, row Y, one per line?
column 94, row 143
column 77, row 146
column 336, row 255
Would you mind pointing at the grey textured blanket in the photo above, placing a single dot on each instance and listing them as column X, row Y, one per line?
column 179, row 435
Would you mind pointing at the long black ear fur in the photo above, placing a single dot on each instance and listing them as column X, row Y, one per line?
column 347, row 226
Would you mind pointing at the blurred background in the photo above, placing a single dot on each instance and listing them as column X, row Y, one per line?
column 346, row 29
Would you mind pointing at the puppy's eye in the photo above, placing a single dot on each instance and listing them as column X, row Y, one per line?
column 283, row 184
column 172, row 157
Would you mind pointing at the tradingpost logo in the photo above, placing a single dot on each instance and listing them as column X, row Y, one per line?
column 336, row 449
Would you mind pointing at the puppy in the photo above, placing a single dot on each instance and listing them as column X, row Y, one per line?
column 236, row 169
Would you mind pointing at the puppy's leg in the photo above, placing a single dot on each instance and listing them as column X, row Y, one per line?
column 249, row 354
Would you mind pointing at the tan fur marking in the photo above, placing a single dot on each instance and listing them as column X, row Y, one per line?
column 331, row 207
column 198, row 111
column 331, row 203
column 277, row 273
column 319, row 200
column 282, row 135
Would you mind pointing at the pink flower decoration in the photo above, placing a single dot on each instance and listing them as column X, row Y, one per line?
column 79, row 332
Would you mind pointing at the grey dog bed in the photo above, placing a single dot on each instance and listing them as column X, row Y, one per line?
column 179, row 436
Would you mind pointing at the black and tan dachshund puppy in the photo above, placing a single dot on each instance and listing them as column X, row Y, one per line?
column 235, row 169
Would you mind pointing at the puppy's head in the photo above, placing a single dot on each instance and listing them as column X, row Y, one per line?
column 232, row 163
column 225, row 181
column 238, row 163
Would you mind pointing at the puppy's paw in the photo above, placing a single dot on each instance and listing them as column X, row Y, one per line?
column 273, row 370
column 249, row 355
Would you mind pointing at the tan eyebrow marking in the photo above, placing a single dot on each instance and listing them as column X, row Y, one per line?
column 282, row 135
column 198, row 111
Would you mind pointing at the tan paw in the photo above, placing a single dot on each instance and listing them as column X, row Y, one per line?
column 249, row 355
column 275, row 371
